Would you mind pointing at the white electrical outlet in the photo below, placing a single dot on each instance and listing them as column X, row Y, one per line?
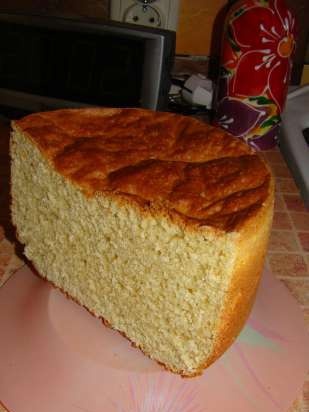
column 153, row 13
column 145, row 15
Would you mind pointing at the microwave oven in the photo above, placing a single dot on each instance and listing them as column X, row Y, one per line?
column 49, row 62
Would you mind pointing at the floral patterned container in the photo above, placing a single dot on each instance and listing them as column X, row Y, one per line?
column 259, row 39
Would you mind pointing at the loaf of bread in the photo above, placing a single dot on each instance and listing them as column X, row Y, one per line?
column 156, row 223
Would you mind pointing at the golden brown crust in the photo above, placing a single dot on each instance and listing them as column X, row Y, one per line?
column 4, row 407
column 249, row 262
column 159, row 161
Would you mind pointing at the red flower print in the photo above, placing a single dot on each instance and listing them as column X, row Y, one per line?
column 265, row 38
column 229, row 56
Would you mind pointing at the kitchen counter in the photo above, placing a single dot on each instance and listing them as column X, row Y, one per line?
column 287, row 258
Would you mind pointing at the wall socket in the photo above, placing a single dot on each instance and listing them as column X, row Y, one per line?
column 161, row 14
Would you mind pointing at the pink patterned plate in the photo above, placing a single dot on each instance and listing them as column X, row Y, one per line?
column 56, row 357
